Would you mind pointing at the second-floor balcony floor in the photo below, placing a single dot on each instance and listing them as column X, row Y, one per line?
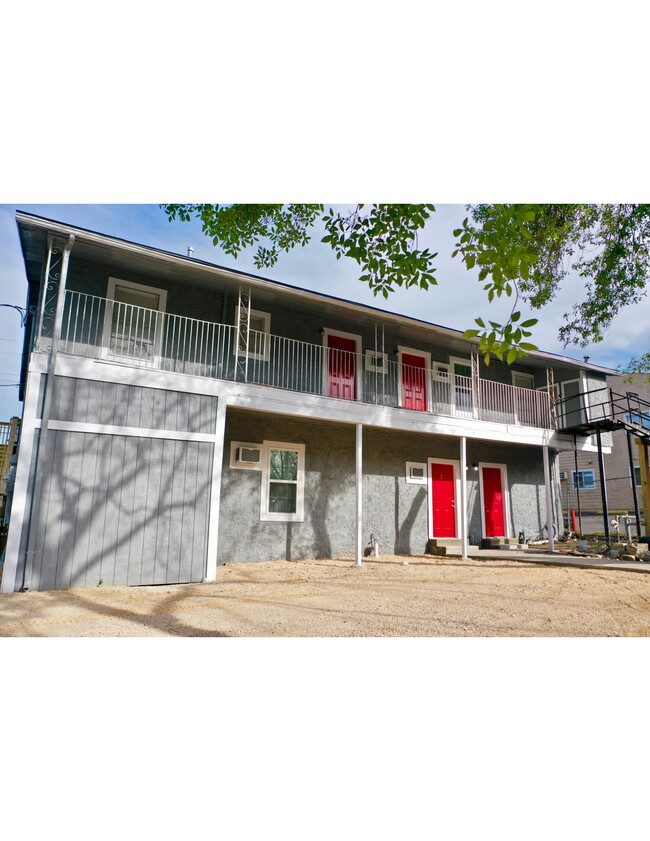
column 113, row 331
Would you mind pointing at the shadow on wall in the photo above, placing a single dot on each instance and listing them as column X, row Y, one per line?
column 122, row 510
column 474, row 513
column 403, row 530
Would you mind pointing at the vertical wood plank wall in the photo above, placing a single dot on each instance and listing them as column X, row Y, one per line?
column 118, row 508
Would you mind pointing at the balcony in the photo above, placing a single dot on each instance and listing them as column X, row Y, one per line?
column 102, row 329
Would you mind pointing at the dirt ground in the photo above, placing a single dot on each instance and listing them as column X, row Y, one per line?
column 426, row 597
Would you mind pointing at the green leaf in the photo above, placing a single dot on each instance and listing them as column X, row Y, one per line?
column 512, row 355
column 470, row 334
column 530, row 323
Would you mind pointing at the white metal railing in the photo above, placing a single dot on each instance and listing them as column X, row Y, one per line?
column 102, row 329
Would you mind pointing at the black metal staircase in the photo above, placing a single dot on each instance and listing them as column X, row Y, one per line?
column 603, row 410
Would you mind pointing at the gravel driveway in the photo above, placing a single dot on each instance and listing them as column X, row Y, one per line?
column 426, row 597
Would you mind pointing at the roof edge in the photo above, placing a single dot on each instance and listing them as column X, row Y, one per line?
column 30, row 219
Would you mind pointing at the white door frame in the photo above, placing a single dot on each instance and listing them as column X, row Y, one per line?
column 467, row 362
column 358, row 361
column 456, row 465
column 427, row 371
column 506, row 496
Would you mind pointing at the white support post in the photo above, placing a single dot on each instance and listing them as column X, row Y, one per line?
column 215, row 492
column 549, row 500
column 20, row 503
column 41, row 453
column 359, row 478
column 463, row 499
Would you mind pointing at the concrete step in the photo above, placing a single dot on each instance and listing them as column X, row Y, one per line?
column 499, row 542
column 444, row 541
column 454, row 551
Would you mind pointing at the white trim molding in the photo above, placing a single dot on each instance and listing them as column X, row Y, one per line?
column 20, row 503
column 113, row 282
column 505, row 490
column 267, row 516
column 466, row 362
column 416, row 480
column 131, row 431
column 524, row 375
column 376, row 362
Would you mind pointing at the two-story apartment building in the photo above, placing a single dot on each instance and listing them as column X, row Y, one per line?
column 179, row 415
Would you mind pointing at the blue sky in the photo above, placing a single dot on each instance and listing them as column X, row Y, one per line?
column 455, row 302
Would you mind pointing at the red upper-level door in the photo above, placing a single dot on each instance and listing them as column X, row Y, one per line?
column 493, row 503
column 414, row 382
column 341, row 367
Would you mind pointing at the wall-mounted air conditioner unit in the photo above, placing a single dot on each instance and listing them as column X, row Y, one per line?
column 248, row 455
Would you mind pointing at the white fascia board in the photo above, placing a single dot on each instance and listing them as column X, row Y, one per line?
column 271, row 285
column 272, row 400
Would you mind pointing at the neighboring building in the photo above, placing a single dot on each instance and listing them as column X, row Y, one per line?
column 581, row 490
column 8, row 443
column 190, row 415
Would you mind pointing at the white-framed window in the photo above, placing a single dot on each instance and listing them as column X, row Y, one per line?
column 522, row 380
column 376, row 361
column 583, row 479
column 283, row 482
column 259, row 336
column 416, row 473
column 133, row 322
column 440, row 372
column 637, row 476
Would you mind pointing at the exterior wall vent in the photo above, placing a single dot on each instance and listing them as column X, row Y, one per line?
column 563, row 476
column 248, row 455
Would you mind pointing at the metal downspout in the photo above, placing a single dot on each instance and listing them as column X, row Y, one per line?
column 45, row 419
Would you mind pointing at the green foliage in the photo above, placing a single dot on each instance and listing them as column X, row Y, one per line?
column 521, row 251
column 235, row 227
column 500, row 245
column 383, row 241
column 606, row 244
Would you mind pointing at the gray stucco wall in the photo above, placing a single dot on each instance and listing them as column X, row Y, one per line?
column 394, row 511
column 183, row 299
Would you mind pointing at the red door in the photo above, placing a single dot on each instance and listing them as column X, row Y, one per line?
column 443, row 495
column 414, row 383
column 493, row 505
column 341, row 368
